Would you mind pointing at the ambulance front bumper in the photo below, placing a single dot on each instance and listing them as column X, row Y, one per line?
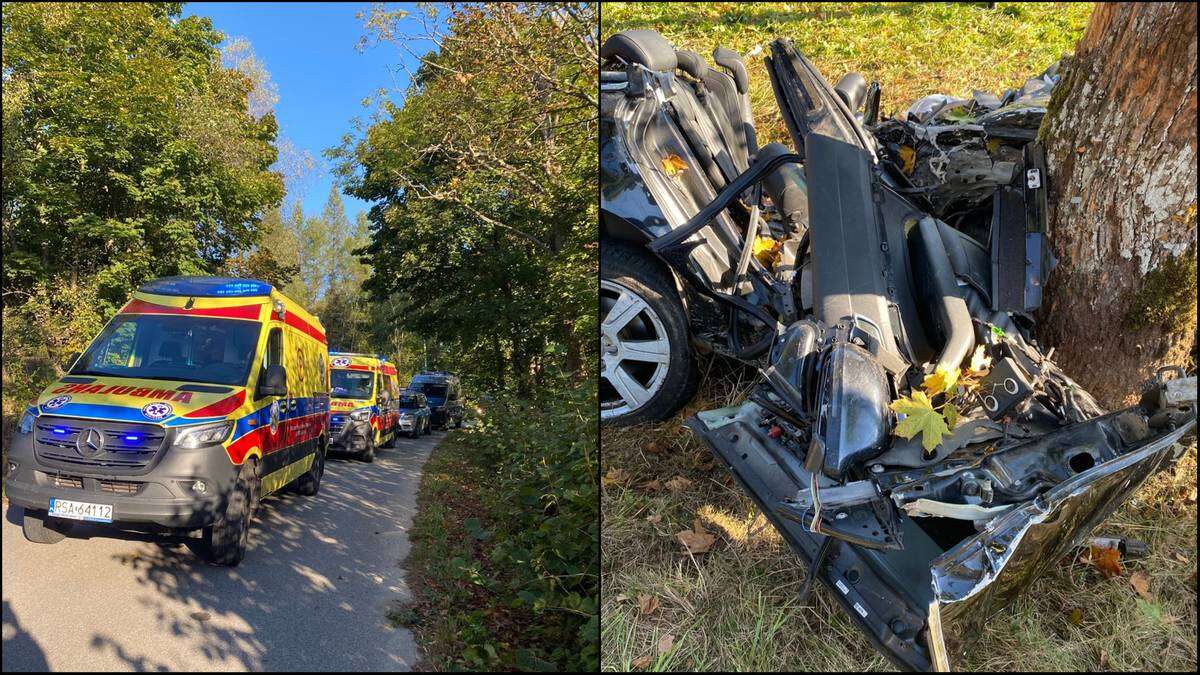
column 182, row 489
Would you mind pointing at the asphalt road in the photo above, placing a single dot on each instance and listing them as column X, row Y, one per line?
column 312, row 593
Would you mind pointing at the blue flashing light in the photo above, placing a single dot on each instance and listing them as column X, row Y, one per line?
column 133, row 438
column 209, row 287
column 59, row 430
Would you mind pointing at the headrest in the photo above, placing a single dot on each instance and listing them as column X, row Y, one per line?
column 691, row 63
column 732, row 61
column 641, row 46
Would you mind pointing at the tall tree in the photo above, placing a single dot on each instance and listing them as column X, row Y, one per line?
column 129, row 149
column 1121, row 143
column 484, row 230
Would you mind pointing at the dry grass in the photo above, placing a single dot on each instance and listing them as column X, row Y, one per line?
column 735, row 608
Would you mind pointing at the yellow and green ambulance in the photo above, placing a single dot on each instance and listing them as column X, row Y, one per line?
column 201, row 396
column 364, row 389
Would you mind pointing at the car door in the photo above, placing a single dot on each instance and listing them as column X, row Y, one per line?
column 273, row 415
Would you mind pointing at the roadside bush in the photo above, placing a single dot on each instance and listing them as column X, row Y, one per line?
column 544, row 502
column 39, row 333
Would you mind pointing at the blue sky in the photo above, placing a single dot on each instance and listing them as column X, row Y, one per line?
column 310, row 51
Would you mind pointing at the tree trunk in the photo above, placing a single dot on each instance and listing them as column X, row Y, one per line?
column 1120, row 136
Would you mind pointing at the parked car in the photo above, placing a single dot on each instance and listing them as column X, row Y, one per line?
column 444, row 394
column 910, row 439
column 200, row 397
column 365, row 389
column 414, row 413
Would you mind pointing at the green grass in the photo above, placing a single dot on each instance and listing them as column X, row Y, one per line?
column 458, row 613
column 735, row 608
column 911, row 49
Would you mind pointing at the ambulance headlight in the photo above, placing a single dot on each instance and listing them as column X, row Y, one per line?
column 360, row 415
column 407, row 416
column 27, row 419
column 202, row 435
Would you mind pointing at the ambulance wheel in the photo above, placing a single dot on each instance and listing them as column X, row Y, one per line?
column 310, row 482
column 36, row 527
column 226, row 540
column 368, row 453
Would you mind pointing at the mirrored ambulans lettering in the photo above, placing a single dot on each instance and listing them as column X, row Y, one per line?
column 119, row 390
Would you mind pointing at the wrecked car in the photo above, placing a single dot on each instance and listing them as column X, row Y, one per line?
column 909, row 438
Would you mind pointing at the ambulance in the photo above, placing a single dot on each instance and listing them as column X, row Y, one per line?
column 200, row 397
column 365, row 392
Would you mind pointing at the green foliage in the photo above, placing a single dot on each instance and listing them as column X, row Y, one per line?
column 129, row 152
column 40, row 332
column 528, row 551
column 483, row 237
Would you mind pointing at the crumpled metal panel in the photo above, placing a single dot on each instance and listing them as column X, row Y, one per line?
column 987, row 571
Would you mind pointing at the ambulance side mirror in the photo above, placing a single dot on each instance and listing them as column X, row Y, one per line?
column 273, row 382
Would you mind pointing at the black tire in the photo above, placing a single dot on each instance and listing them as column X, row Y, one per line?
column 226, row 540
column 310, row 483
column 40, row 528
column 368, row 453
column 637, row 271
column 428, row 428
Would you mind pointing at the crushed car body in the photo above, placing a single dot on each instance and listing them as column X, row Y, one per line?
column 910, row 440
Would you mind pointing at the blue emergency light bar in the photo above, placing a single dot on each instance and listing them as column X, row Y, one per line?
column 207, row 287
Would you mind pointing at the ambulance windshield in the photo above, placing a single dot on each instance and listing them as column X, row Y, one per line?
column 351, row 383
column 183, row 348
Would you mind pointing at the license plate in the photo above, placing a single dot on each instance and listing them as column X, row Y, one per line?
column 62, row 508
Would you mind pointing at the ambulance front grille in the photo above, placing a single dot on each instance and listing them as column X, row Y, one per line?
column 128, row 446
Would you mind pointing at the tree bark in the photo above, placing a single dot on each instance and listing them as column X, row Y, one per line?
column 1120, row 136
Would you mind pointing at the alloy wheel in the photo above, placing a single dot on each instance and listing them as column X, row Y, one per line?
column 634, row 350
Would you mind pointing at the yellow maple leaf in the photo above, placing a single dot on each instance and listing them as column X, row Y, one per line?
column 941, row 381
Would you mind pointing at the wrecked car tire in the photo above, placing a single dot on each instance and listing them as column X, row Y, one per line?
column 647, row 367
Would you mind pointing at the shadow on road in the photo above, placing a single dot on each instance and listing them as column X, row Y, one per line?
column 319, row 570
column 20, row 646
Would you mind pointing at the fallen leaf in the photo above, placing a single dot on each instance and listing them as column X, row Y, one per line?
column 653, row 485
column 678, row 484
column 653, row 519
column 622, row 597
column 641, row 661
column 908, row 158
column 615, row 476
column 940, row 382
column 950, row 412
column 920, row 418
column 647, row 603
column 656, row 447
column 1107, row 560
column 200, row 616
column 1152, row 610
column 1181, row 558
column 702, row 459
column 980, row 360
column 673, row 165
column 1075, row 617
column 696, row 540
column 1103, row 659
column 1141, row 584
column 665, row 642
